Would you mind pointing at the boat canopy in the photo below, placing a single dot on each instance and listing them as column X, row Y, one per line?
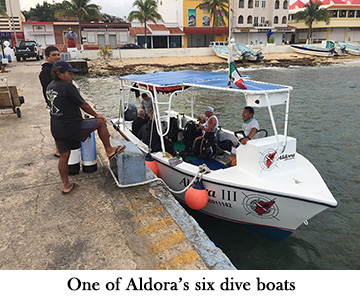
column 257, row 93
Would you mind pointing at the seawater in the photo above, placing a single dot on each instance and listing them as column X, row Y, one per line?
column 324, row 117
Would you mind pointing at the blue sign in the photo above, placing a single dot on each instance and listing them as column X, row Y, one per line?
column 5, row 34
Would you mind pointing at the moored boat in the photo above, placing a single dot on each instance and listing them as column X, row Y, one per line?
column 271, row 187
column 316, row 50
column 223, row 52
column 351, row 48
column 248, row 53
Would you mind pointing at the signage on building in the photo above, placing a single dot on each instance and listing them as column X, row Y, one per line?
column 5, row 34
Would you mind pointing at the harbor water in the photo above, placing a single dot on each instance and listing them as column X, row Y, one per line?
column 324, row 117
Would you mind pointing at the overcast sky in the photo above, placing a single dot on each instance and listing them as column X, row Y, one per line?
column 119, row 8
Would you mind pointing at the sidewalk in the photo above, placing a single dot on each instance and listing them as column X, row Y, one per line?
column 98, row 226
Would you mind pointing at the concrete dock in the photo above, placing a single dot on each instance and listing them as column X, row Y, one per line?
column 99, row 226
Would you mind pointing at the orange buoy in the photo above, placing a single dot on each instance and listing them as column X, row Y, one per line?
column 196, row 197
column 151, row 163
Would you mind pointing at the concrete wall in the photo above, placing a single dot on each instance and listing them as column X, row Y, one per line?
column 206, row 51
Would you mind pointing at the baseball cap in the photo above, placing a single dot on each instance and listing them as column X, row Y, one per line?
column 209, row 108
column 64, row 65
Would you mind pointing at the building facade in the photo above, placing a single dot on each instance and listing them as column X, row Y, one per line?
column 344, row 22
column 195, row 23
column 254, row 18
column 10, row 28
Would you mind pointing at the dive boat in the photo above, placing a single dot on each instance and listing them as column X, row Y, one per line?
column 270, row 187
column 351, row 48
column 223, row 52
column 248, row 53
column 328, row 50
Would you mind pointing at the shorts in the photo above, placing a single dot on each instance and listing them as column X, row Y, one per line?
column 73, row 142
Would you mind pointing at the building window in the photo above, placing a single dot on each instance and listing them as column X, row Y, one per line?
column 334, row 14
column 3, row 4
column 241, row 3
column 263, row 4
column 249, row 19
column 262, row 20
column 342, row 14
column 250, row 4
column 284, row 20
column 241, row 20
column 285, row 5
column 277, row 4
column 175, row 41
column 351, row 13
column 276, row 20
column 257, row 3
column 358, row 13
column 256, row 21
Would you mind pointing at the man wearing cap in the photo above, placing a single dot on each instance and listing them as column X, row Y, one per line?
column 67, row 126
column 210, row 122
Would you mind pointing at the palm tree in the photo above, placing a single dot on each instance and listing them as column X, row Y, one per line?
column 147, row 11
column 312, row 13
column 80, row 10
column 213, row 6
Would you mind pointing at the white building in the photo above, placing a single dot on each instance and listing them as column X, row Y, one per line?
column 254, row 18
column 10, row 28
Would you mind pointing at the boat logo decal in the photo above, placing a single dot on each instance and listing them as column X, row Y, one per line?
column 260, row 206
column 268, row 159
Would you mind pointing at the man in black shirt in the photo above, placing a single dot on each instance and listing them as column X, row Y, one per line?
column 138, row 122
column 52, row 55
column 67, row 126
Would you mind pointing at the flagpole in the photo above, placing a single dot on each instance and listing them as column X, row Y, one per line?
column 230, row 57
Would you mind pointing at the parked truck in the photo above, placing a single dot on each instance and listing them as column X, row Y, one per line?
column 28, row 49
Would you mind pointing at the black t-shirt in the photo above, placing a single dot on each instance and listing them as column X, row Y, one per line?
column 65, row 113
column 45, row 77
column 137, row 124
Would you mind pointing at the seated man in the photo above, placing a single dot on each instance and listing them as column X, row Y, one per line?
column 138, row 122
column 211, row 123
column 250, row 125
column 206, row 138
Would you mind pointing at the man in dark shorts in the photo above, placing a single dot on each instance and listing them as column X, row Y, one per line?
column 67, row 125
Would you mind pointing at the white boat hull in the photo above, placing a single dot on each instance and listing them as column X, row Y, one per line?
column 316, row 51
column 274, row 212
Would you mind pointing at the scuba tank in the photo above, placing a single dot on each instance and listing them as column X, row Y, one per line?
column 74, row 162
column 88, row 154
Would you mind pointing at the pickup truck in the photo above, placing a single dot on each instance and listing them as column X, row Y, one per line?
column 28, row 49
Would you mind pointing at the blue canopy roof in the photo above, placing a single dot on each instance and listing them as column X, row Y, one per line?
column 202, row 80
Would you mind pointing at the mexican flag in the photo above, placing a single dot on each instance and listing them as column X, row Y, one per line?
column 236, row 77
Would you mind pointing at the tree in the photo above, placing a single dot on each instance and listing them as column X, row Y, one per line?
column 80, row 10
column 213, row 6
column 312, row 13
column 42, row 12
column 112, row 19
column 147, row 11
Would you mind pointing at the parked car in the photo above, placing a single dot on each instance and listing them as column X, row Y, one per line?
column 129, row 46
column 28, row 49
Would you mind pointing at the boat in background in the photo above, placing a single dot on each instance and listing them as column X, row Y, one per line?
column 351, row 48
column 248, row 53
column 223, row 52
column 325, row 49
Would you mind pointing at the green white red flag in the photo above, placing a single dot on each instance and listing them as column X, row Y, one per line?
column 235, row 76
